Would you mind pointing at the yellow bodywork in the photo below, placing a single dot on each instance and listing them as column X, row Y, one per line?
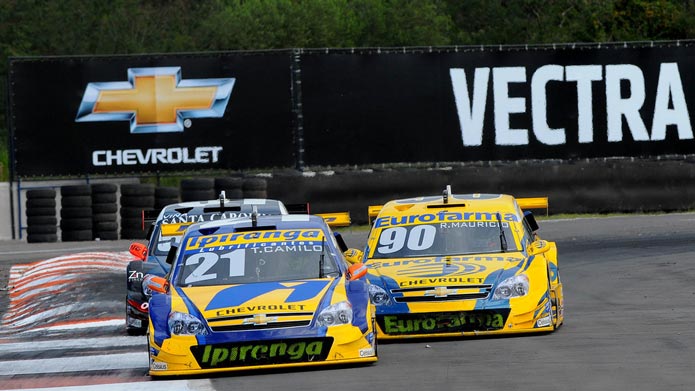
column 432, row 294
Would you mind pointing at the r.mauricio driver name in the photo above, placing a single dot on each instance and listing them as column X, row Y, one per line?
column 176, row 155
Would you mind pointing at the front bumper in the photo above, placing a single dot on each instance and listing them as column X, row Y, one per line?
column 181, row 355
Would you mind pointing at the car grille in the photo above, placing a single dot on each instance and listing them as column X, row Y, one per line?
column 442, row 293
column 260, row 321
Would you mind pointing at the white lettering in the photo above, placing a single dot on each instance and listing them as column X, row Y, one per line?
column 471, row 112
column 584, row 75
column 670, row 89
column 199, row 155
column 618, row 107
column 505, row 105
column 539, row 80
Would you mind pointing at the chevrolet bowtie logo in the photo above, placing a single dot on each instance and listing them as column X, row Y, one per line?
column 155, row 100
column 440, row 291
column 260, row 320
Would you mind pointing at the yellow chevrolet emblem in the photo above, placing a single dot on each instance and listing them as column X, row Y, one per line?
column 155, row 100
column 440, row 291
column 260, row 320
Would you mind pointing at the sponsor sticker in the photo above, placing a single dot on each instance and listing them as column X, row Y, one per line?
column 158, row 366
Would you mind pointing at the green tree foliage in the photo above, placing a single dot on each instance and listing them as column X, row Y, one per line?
column 87, row 27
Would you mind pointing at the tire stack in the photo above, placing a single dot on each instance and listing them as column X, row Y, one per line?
column 42, row 223
column 232, row 187
column 255, row 188
column 104, row 211
column 164, row 195
column 198, row 189
column 135, row 198
column 76, row 213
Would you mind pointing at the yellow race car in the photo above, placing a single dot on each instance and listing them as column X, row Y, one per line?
column 265, row 292
column 454, row 265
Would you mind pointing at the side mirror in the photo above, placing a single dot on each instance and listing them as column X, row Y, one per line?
column 171, row 255
column 341, row 242
column 138, row 250
column 357, row 271
column 538, row 247
column 531, row 221
column 155, row 284
column 353, row 255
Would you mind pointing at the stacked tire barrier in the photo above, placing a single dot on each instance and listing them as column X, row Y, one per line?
column 198, row 189
column 104, row 211
column 255, row 188
column 232, row 187
column 76, row 213
column 164, row 196
column 42, row 224
column 135, row 198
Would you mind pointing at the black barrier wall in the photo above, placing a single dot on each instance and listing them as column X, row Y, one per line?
column 299, row 108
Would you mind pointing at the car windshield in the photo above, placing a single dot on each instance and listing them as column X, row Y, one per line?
column 449, row 238
column 254, row 259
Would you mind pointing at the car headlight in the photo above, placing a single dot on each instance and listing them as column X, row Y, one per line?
column 336, row 314
column 378, row 296
column 146, row 281
column 186, row 324
column 515, row 286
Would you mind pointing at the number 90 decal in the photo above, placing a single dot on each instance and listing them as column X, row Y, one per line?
column 420, row 237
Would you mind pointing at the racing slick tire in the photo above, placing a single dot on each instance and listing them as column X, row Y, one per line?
column 137, row 189
column 75, row 191
column 75, row 213
column 76, row 224
column 41, row 193
column 40, row 212
column 231, row 187
column 76, row 201
column 42, row 220
column 255, row 188
column 40, row 203
column 100, row 188
column 76, row 236
column 198, row 184
column 105, row 208
column 197, row 195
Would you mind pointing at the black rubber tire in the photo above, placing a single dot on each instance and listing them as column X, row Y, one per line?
column 160, row 203
column 104, row 217
column 131, row 223
column 76, row 201
column 105, row 235
column 198, row 184
column 41, row 229
column 133, row 233
column 76, row 236
column 75, row 190
column 42, row 220
column 166, row 192
column 98, row 188
column 41, row 203
column 255, row 184
column 75, row 212
column 139, row 202
column 234, row 194
column 255, row 194
column 137, row 189
column 229, row 185
column 128, row 212
column 104, row 198
column 41, row 212
column 42, row 238
column 76, row 224
column 104, row 208
column 197, row 195
column 105, row 226
column 40, row 193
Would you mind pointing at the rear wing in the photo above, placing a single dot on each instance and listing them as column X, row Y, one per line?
column 337, row 219
column 533, row 203
column 524, row 203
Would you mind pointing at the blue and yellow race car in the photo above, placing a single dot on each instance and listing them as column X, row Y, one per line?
column 166, row 230
column 270, row 291
column 456, row 265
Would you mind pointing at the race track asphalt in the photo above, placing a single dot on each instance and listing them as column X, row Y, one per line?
column 629, row 315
